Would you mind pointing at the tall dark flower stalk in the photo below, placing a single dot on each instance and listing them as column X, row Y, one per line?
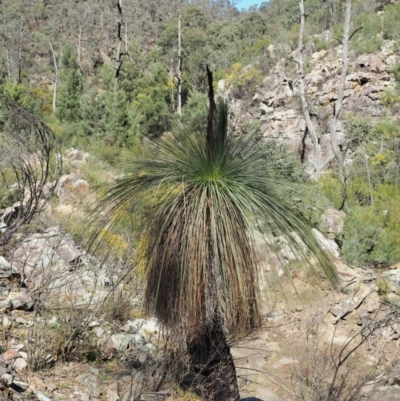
column 202, row 197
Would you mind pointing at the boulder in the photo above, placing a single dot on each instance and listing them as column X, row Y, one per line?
column 333, row 222
column 21, row 300
column 328, row 244
column 319, row 55
column 387, row 394
column 393, row 276
column 370, row 62
column 6, row 271
column 80, row 186
column 5, row 304
column 20, row 364
column 65, row 181
column 11, row 354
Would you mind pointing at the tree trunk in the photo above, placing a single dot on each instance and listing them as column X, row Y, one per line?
column 179, row 109
column 212, row 371
column 302, row 94
column 5, row 43
column 55, row 77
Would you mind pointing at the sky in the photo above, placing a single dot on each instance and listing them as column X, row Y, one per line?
column 247, row 3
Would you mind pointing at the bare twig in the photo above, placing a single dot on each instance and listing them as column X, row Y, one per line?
column 269, row 377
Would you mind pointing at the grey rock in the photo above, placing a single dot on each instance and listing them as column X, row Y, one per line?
column 333, row 221
column 124, row 341
column 20, row 364
column 80, row 186
column 75, row 154
column 21, row 320
column 40, row 396
column 7, row 379
column 265, row 109
column 3, row 227
column 6, row 322
column 4, row 289
column 328, row 244
column 387, row 394
column 91, row 384
column 21, row 300
column 6, row 303
column 4, row 265
column 67, row 250
column 112, row 393
column 393, row 276
column 6, row 270
column 19, row 383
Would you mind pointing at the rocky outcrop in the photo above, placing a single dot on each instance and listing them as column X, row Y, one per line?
column 276, row 105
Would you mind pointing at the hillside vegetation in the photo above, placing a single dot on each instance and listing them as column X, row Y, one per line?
column 60, row 62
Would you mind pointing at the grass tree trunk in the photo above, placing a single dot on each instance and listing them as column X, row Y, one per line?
column 200, row 237
column 211, row 363
column 212, row 371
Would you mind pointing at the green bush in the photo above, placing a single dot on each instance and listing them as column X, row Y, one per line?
column 244, row 80
column 371, row 235
column 390, row 22
column 368, row 39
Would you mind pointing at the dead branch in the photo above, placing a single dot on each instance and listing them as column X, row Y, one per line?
column 28, row 148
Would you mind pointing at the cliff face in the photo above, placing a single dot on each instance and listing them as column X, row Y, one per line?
column 276, row 104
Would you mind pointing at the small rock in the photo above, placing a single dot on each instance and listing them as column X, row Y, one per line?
column 21, row 300
column 387, row 394
column 6, row 304
column 77, row 395
column 327, row 244
column 18, row 347
column 23, row 321
column 112, row 394
column 80, row 186
column 335, row 311
column 20, row 364
column 333, row 221
column 67, row 251
column 6, row 322
column 24, row 386
column 11, row 354
column 40, row 396
column 4, row 289
column 24, row 355
column 7, row 379
column 4, row 265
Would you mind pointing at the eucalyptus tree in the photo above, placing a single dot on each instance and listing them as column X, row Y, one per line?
column 203, row 197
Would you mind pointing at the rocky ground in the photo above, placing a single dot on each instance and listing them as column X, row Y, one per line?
column 276, row 104
column 53, row 296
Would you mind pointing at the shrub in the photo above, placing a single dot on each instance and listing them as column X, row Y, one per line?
column 368, row 40
column 244, row 81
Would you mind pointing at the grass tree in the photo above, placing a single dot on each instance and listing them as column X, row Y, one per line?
column 203, row 197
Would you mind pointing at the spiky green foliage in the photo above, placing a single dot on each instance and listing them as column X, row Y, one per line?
column 203, row 204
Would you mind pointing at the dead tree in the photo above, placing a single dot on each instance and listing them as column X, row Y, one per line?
column 179, row 109
column 56, row 72
column 118, row 59
column 320, row 164
column 29, row 167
